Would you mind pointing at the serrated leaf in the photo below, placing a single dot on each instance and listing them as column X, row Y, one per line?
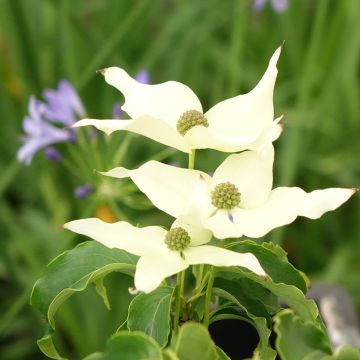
column 298, row 339
column 129, row 346
column 71, row 272
column 194, row 342
column 150, row 313
column 273, row 260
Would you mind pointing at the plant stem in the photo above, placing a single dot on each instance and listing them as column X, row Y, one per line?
column 208, row 297
column 179, row 299
column 192, row 159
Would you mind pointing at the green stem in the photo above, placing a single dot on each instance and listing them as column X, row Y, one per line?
column 200, row 275
column 191, row 163
column 179, row 299
column 208, row 297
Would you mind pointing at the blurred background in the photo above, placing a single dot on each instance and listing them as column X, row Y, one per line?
column 220, row 49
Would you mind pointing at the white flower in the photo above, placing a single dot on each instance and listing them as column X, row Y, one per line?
column 237, row 200
column 162, row 253
column 171, row 114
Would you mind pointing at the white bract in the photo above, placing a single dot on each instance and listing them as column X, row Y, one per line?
column 237, row 200
column 157, row 261
column 171, row 114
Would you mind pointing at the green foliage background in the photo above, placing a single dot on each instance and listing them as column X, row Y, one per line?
column 220, row 49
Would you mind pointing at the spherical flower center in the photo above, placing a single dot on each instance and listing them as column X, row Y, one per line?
column 177, row 239
column 225, row 196
column 189, row 119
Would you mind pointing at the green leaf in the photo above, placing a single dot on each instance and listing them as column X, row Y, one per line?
column 194, row 342
column 221, row 355
column 46, row 345
column 129, row 346
column 247, row 295
column 284, row 280
column 346, row 353
column 101, row 290
column 298, row 339
column 169, row 354
column 150, row 313
column 274, row 261
column 72, row 272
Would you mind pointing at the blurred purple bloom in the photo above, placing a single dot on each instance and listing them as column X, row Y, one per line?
column 116, row 111
column 63, row 105
column 52, row 154
column 278, row 5
column 39, row 133
column 83, row 191
column 143, row 77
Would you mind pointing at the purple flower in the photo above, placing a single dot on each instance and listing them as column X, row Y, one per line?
column 39, row 133
column 83, row 191
column 278, row 5
column 63, row 105
column 52, row 154
column 116, row 111
column 143, row 77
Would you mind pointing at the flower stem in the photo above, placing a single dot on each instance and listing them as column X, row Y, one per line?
column 208, row 297
column 192, row 159
column 179, row 299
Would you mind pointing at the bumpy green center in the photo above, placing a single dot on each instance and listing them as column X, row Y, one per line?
column 177, row 239
column 189, row 119
column 225, row 196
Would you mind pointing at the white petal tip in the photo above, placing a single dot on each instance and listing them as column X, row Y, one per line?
column 118, row 172
column 133, row 291
column 101, row 71
column 274, row 59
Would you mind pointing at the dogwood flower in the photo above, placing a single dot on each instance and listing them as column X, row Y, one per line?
column 171, row 114
column 237, row 200
column 162, row 253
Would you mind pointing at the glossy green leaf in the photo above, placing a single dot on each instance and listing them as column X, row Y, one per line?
column 298, row 339
column 221, row 355
column 274, row 261
column 284, row 280
column 129, row 346
column 245, row 294
column 150, row 313
column 72, row 272
column 194, row 342
column 46, row 345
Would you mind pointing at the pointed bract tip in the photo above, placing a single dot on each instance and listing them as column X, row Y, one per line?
column 355, row 190
column 281, row 45
column 101, row 71
column 61, row 227
column 133, row 290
